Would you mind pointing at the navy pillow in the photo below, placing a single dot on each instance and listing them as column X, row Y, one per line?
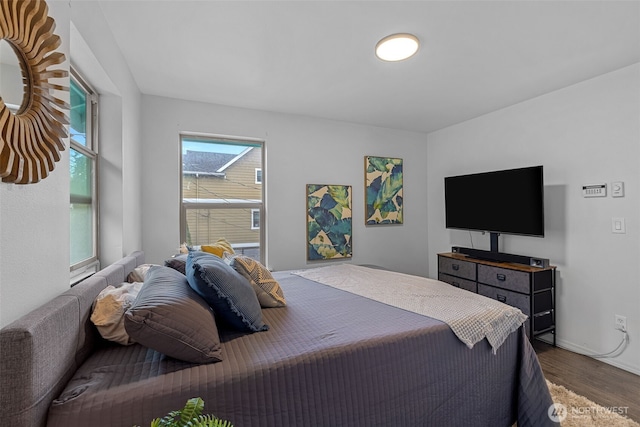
column 177, row 262
column 225, row 290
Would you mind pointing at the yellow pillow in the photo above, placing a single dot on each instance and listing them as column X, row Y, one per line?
column 218, row 248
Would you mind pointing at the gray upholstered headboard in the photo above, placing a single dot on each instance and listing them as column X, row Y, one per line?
column 40, row 351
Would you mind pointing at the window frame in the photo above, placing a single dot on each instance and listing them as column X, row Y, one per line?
column 253, row 212
column 89, row 265
column 258, row 144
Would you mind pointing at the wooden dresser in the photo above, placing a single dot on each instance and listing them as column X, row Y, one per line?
column 531, row 289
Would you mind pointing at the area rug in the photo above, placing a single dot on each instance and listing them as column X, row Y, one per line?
column 573, row 410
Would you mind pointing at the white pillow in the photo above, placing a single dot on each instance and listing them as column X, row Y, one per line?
column 109, row 308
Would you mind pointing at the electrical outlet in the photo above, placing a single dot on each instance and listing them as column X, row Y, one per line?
column 621, row 323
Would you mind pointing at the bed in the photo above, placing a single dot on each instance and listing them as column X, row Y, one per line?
column 330, row 357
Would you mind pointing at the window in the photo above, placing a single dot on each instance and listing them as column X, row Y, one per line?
column 82, row 169
column 221, row 195
column 255, row 219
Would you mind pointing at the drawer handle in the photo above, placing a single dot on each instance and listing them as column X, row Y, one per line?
column 456, row 284
column 501, row 298
column 501, row 277
column 455, row 267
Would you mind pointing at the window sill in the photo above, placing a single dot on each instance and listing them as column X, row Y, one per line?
column 80, row 274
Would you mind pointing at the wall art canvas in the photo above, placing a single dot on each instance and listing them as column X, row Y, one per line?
column 383, row 190
column 328, row 221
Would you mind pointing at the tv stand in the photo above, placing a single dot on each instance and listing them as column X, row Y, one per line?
column 531, row 289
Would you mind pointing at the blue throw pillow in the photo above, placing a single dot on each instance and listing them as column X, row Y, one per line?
column 225, row 290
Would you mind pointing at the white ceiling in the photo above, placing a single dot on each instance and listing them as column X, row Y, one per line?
column 316, row 58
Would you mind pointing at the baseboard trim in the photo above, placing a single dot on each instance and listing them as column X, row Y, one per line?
column 567, row 345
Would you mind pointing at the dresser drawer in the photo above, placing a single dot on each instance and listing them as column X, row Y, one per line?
column 458, row 282
column 544, row 279
column 503, row 278
column 543, row 321
column 513, row 299
column 543, row 301
column 454, row 267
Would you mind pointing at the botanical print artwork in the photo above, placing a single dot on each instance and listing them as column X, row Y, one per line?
column 383, row 190
column 328, row 221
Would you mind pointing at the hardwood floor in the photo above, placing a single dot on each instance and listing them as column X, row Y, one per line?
column 604, row 384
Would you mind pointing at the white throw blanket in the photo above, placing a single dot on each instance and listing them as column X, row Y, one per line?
column 472, row 317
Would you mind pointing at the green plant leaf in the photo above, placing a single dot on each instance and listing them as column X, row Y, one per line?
column 190, row 416
column 192, row 409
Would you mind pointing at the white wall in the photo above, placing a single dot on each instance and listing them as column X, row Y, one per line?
column 588, row 133
column 299, row 151
column 34, row 219
column 96, row 55
column 34, row 223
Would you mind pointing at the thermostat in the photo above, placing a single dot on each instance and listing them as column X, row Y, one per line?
column 617, row 189
column 598, row 190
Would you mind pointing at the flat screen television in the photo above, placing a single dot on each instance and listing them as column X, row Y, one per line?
column 505, row 201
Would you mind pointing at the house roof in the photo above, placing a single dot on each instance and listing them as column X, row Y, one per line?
column 205, row 162
column 235, row 159
column 210, row 163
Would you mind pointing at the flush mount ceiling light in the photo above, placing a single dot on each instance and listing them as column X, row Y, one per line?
column 397, row 47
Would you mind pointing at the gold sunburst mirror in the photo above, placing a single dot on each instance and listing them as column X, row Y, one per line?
column 31, row 136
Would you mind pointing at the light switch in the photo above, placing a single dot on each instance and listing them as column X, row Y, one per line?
column 618, row 226
column 617, row 189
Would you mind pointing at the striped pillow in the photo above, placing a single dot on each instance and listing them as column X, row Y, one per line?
column 266, row 287
column 228, row 293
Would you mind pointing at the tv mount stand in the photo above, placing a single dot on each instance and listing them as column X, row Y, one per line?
column 494, row 241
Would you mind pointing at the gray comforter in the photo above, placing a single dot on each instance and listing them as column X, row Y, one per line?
column 329, row 358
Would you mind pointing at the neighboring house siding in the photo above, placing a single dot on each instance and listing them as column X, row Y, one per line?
column 207, row 226
column 240, row 177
